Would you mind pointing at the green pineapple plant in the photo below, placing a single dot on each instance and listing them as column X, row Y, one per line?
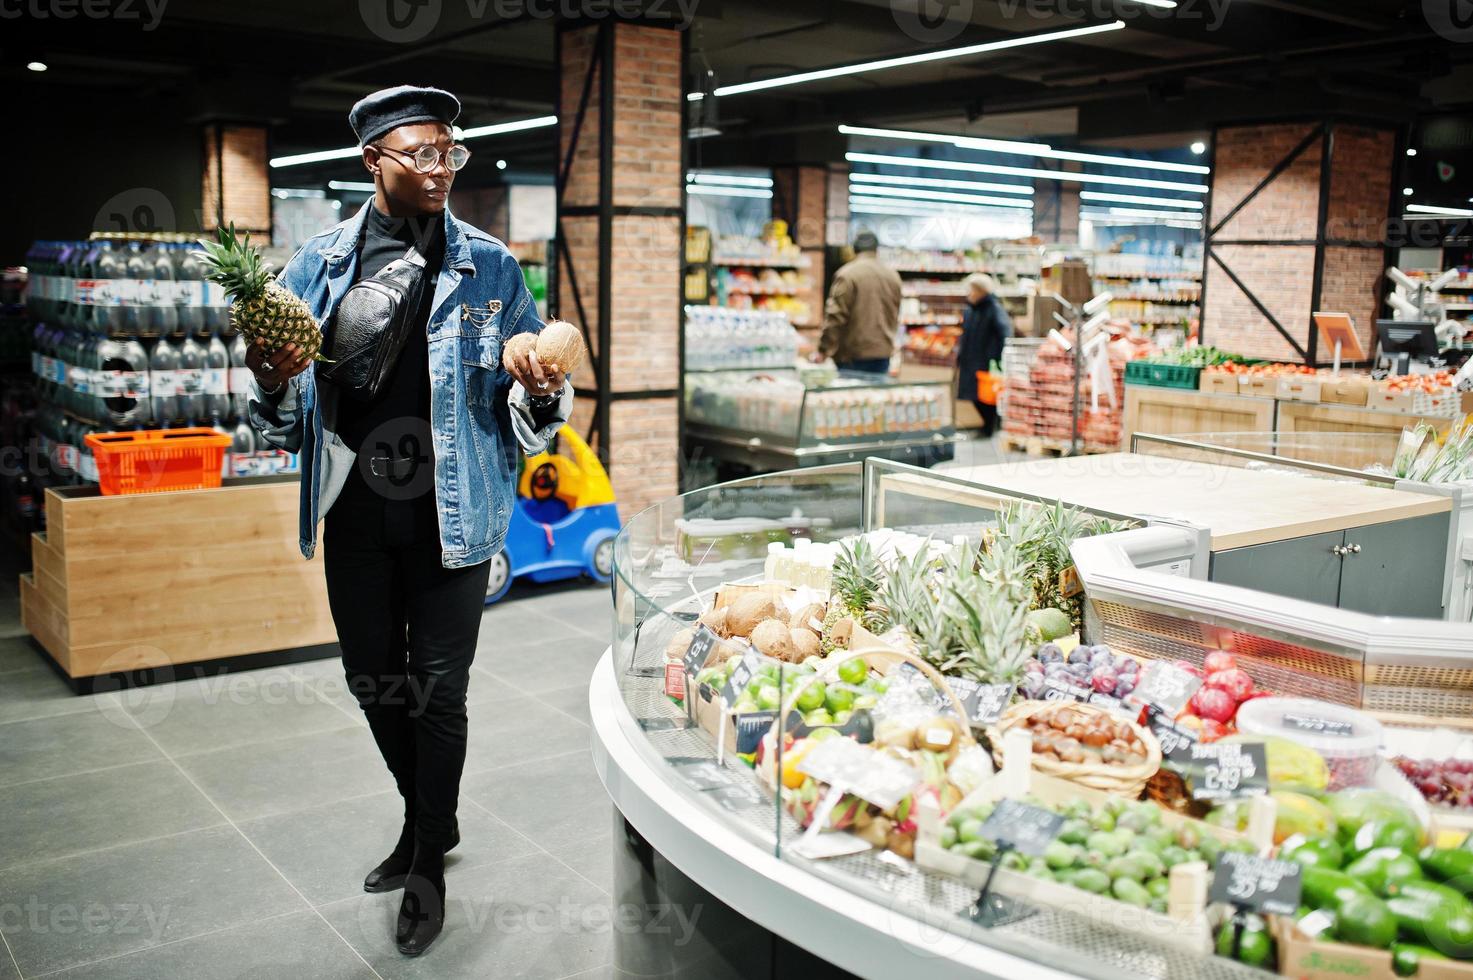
column 260, row 307
column 854, row 587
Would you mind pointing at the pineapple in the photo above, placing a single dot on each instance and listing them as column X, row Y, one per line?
column 905, row 590
column 989, row 631
column 854, row 587
column 260, row 308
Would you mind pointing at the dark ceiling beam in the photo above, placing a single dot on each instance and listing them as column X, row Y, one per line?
column 1333, row 12
column 409, row 52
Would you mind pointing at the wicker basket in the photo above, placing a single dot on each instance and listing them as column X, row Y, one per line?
column 1124, row 780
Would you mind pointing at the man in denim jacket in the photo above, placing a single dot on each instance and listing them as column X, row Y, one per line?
column 416, row 485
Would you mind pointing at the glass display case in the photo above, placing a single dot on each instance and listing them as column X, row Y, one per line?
column 720, row 777
column 784, row 418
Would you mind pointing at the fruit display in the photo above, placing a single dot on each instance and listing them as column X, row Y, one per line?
column 1092, row 667
column 1122, row 850
column 1084, row 744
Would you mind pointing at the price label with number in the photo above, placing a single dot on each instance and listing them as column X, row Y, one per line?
column 1222, row 770
column 1166, row 686
column 700, row 648
column 1058, row 689
column 1175, row 739
column 987, row 703
column 1257, row 884
column 1025, row 828
column 1319, row 726
column 741, row 675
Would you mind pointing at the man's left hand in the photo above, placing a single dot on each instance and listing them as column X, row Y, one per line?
column 539, row 379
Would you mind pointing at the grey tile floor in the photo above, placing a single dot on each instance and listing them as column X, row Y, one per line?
column 221, row 827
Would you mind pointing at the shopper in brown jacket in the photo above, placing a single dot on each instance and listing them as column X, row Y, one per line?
column 861, row 320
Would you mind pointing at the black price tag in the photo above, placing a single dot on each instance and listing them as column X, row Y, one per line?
column 1174, row 738
column 1166, row 686
column 987, row 703
column 700, row 648
column 1057, row 689
column 1025, row 828
column 750, row 727
column 741, row 675
column 1223, row 770
column 1257, row 884
column 1319, row 726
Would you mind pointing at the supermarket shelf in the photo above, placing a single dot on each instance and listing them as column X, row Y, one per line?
column 915, row 270
column 1154, row 298
column 784, row 290
column 802, row 262
column 944, row 320
column 1194, row 276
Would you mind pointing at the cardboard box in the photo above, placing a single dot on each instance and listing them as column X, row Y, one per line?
column 1219, row 382
column 1311, row 959
column 1298, row 388
column 1382, row 399
column 1352, row 390
column 1445, row 403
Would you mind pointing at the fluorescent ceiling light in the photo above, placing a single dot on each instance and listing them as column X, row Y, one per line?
column 970, row 142
column 992, row 168
column 1165, row 202
column 1153, row 213
column 710, row 191
column 966, row 185
column 349, row 152
column 1433, row 209
column 882, row 205
column 1166, row 4
column 921, row 195
column 728, row 180
column 910, row 59
column 1042, row 150
column 36, row 65
column 350, row 185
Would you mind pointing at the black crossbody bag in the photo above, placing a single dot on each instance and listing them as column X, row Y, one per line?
column 371, row 326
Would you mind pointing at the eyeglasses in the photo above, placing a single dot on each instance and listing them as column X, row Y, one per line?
column 427, row 157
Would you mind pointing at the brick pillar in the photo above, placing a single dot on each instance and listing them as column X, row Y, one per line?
column 621, row 224
column 1296, row 223
column 800, row 197
column 837, row 230
column 237, row 181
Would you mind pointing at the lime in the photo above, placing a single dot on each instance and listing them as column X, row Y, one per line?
column 879, row 685
column 853, row 671
column 819, row 734
column 837, row 699
column 865, row 701
column 818, row 716
column 812, row 697
column 768, row 697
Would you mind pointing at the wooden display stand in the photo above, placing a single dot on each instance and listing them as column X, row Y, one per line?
column 143, row 581
column 1177, row 411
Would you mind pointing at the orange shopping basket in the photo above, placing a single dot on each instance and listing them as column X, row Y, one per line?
column 989, row 386
column 161, row 459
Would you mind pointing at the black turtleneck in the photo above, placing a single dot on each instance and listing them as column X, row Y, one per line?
column 398, row 419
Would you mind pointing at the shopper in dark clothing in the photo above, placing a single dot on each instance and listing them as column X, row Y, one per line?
column 416, row 484
column 985, row 327
column 861, row 318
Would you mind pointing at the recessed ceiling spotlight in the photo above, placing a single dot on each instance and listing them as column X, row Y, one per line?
column 1199, row 148
column 36, row 65
column 1406, row 192
column 500, row 164
column 1411, row 151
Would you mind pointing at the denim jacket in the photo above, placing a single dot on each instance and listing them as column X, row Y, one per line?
column 480, row 299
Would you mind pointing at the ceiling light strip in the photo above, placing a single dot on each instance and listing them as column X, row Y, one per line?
column 992, row 168
column 1165, row 202
column 1042, row 150
column 924, row 195
column 351, row 152
column 966, row 185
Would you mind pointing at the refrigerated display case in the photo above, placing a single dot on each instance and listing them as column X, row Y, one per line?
column 783, row 418
column 703, row 816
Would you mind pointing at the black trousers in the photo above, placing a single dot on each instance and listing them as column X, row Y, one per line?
column 408, row 630
column 989, row 417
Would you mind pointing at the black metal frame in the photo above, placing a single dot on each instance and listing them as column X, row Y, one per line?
column 1322, row 131
column 602, row 61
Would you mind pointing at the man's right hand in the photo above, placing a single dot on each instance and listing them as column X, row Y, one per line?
column 277, row 368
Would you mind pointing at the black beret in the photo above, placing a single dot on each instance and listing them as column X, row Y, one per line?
column 376, row 114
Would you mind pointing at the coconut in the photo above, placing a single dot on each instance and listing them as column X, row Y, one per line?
column 679, row 643
column 772, row 638
column 805, row 643
column 809, row 617
column 517, row 346
column 743, row 615
column 715, row 621
column 561, row 344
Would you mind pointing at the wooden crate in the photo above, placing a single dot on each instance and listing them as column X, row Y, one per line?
column 1351, row 390
column 147, row 580
column 1385, row 427
column 1219, row 382
column 1167, row 412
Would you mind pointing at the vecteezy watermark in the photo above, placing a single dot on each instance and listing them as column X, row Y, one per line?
column 1212, row 12
column 1451, row 19
column 408, row 21
column 147, row 13
column 37, row 918
column 137, row 209
column 932, row 21
column 479, row 915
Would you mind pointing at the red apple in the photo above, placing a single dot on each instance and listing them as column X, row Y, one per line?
column 1213, row 704
column 1235, row 681
column 1218, row 660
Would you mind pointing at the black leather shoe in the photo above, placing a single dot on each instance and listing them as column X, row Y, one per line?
column 389, row 875
column 421, row 914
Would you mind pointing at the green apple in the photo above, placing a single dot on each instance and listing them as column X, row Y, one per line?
column 768, row 697
column 853, row 671
column 818, row 717
column 812, row 697
column 865, row 701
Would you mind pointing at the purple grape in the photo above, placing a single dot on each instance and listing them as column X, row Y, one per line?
column 1055, row 669
column 1033, row 685
column 1131, row 667
column 1079, row 655
column 1050, row 653
column 1034, row 667
column 1101, row 658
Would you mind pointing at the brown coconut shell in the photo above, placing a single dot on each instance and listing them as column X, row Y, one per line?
column 805, row 643
column 715, row 621
column 743, row 615
column 679, row 643
column 771, row 637
column 518, row 345
column 561, row 343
